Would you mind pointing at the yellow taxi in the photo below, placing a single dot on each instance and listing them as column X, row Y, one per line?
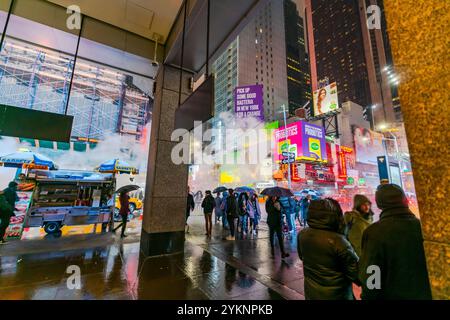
column 135, row 204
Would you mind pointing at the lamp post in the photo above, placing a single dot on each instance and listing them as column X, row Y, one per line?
column 286, row 137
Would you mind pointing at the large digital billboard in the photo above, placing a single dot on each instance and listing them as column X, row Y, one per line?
column 326, row 100
column 368, row 145
column 306, row 140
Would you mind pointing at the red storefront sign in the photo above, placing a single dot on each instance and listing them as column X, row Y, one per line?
column 345, row 160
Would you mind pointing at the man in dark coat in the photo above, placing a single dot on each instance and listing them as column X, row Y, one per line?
column 190, row 206
column 330, row 264
column 394, row 246
column 232, row 209
column 208, row 206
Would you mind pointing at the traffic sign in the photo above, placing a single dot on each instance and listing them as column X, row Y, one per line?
column 288, row 154
column 286, row 161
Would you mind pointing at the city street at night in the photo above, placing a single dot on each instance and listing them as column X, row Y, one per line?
column 223, row 158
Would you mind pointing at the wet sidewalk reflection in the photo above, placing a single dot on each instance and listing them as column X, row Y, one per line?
column 208, row 269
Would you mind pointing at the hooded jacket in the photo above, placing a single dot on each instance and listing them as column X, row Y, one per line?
column 357, row 222
column 395, row 245
column 330, row 264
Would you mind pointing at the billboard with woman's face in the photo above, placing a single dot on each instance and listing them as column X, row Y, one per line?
column 368, row 145
column 326, row 100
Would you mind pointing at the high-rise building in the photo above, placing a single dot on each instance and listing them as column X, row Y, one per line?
column 344, row 50
column 269, row 51
column 298, row 76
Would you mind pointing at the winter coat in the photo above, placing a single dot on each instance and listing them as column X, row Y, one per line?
column 190, row 204
column 124, row 204
column 273, row 210
column 254, row 211
column 330, row 264
column 242, row 203
column 232, row 206
column 395, row 245
column 6, row 210
column 288, row 204
column 208, row 204
column 217, row 209
column 10, row 196
column 356, row 222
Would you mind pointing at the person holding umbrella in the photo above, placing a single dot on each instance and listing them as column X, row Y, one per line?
column 124, row 199
column 273, row 209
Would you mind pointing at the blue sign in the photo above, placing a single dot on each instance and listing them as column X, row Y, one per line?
column 383, row 169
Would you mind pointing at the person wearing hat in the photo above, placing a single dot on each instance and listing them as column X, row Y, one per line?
column 330, row 264
column 358, row 220
column 7, row 206
column 393, row 247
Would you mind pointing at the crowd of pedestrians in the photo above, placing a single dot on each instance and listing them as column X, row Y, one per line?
column 344, row 255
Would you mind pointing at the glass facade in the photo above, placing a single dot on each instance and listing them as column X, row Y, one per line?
column 41, row 69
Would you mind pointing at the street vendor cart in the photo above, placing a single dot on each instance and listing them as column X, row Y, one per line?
column 68, row 198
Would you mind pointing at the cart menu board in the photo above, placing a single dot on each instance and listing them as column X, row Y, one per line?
column 15, row 228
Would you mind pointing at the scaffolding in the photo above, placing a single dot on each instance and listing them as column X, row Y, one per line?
column 103, row 100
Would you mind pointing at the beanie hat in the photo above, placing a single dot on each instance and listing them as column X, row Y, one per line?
column 391, row 196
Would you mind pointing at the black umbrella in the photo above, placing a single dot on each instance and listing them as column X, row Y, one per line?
column 277, row 192
column 220, row 189
column 128, row 188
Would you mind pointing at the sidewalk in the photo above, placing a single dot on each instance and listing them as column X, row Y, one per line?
column 112, row 269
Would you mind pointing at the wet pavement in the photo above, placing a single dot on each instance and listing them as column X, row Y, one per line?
column 113, row 269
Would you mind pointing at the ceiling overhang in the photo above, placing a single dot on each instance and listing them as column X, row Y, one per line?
column 227, row 18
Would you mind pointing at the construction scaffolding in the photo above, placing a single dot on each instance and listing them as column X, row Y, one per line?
column 103, row 100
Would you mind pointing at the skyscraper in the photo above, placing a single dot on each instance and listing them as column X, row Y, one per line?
column 269, row 51
column 298, row 76
column 343, row 49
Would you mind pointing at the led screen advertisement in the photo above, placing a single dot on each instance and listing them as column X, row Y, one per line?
column 326, row 100
column 368, row 145
column 248, row 102
column 306, row 140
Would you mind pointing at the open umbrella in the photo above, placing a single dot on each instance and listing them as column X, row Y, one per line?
column 128, row 188
column 220, row 189
column 116, row 166
column 245, row 189
column 277, row 192
column 18, row 159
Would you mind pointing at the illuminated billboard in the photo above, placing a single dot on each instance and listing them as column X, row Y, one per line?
column 306, row 140
column 368, row 145
column 326, row 100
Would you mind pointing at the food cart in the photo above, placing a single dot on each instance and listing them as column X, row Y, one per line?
column 68, row 198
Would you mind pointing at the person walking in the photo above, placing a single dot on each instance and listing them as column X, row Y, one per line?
column 232, row 213
column 288, row 205
column 218, row 212
column 273, row 209
column 190, row 206
column 304, row 209
column 223, row 208
column 358, row 220
column 6, row 212
column 124, row 200
column 330, row 264
column 208, row 205
column 394, row 245
column 243, row 212
column 254, row 213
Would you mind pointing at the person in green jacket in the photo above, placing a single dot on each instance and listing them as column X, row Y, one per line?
column 358, row 220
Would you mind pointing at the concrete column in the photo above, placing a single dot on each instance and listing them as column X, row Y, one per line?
column 166, row 188
column 419, row 35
